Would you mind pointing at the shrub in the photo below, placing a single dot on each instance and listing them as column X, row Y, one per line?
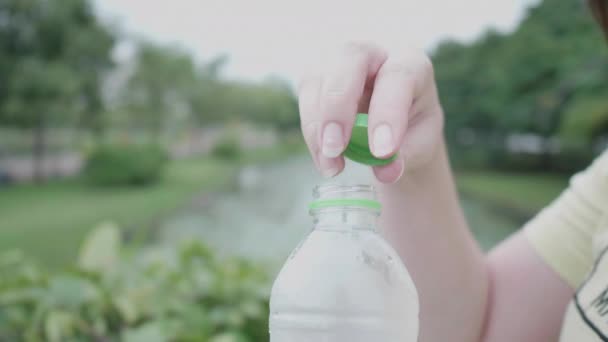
column 182, row 293
column 228, row 148
column 125, row 164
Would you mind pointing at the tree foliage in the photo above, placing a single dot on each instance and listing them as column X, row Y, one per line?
column 168, row 86
column 160, row 86
column 52, row 57
column 535, row 80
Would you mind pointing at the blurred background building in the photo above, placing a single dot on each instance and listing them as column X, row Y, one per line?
column 141, row 144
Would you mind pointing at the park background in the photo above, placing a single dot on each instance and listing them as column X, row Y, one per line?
column 152, row 173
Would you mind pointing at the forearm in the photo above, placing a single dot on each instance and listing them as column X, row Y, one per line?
column 528, row 299
column 423, row 220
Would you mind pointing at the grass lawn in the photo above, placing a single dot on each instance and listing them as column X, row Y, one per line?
column 48, row 222
column 526, row 193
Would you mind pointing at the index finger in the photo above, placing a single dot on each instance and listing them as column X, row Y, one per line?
column 341, row 90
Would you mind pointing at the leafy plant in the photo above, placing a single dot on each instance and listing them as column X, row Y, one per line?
column 160, row 293
column 125, row 164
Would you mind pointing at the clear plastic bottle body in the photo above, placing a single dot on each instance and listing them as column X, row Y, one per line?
column 344, row 282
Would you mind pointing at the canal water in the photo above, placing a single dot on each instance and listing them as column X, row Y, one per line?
column 266, row 215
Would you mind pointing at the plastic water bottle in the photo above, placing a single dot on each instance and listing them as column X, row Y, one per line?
column 344, row 283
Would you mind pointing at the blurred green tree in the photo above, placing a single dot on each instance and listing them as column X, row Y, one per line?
column 271, row 103
column 52, row 57
column 167, row 86
column 161, row 86
column 528, row 81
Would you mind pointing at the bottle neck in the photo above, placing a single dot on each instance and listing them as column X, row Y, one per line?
column 345, row 207
column 345, row 219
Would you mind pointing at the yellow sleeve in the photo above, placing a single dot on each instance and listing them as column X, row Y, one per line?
column 562, row 234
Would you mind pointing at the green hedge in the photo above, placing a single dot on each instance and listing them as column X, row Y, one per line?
column 157, row 294
column 125, row 164
column 227, row 148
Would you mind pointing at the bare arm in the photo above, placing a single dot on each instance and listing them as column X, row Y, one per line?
column 510, row 295
column 528, row 300
column 423, row 220
column 464, row 296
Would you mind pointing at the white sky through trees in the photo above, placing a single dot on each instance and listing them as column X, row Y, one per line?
column 284, row 38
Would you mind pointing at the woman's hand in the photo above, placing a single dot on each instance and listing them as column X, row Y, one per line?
column 397, row 91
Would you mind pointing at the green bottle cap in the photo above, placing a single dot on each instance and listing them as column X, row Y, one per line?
column 358, row 146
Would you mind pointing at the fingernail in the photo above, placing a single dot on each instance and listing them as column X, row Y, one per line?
column 329, row 173
column 333, row 140
column 390, row 174
column 402, row 165
column 327, row 167
column 311, row 136
column 382, row 142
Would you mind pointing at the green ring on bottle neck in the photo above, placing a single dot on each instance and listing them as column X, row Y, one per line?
column 345, row 202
